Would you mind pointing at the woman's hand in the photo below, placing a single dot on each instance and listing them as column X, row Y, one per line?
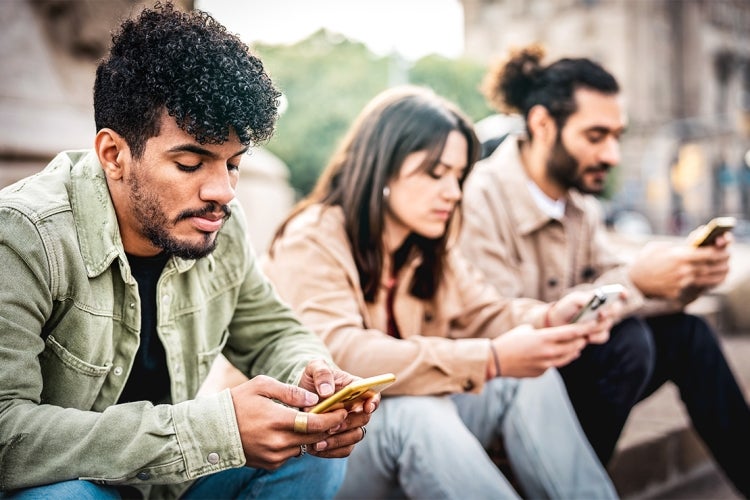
column 528, row 352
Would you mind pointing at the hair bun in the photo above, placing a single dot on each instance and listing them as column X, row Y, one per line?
column 509, row 81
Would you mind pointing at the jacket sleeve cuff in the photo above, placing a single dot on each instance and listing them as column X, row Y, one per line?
column 471, row 373
column 208, row 435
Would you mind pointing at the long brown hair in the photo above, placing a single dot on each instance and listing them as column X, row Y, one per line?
column 396, row 123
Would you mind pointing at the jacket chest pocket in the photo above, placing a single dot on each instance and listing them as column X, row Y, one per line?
column 207, row 357
column 70, row 382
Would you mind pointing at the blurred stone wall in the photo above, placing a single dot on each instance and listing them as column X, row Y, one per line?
column 48, row 54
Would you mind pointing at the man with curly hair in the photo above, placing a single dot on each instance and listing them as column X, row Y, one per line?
column 124, row 277
column 534, row 228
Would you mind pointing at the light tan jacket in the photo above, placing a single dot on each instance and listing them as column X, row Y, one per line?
column 444, row 346
column 524, row 252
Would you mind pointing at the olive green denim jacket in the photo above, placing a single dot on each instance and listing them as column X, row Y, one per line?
column 69, row 332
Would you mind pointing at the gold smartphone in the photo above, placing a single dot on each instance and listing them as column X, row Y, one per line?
column 715, row 227
column 602, row 295
column 354, row 392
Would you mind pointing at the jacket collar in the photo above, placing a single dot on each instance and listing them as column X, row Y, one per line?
column 96, row 221
column 507, row 168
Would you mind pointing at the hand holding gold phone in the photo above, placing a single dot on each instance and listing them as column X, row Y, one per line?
column 357, row 391
column 706, row 235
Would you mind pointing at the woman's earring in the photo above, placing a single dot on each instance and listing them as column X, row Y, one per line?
column 386, row 192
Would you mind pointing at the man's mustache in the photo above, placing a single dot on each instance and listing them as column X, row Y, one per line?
column 211, row 208
column 595, row 169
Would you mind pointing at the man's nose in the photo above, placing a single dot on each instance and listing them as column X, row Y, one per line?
column 219, row 187
column 610, row 153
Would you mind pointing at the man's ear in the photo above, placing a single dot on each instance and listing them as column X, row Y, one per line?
column 541, row 125
column 112, row 151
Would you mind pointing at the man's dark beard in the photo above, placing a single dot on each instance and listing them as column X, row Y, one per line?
column 160, row 237
column 154, row 224
column 562, row 167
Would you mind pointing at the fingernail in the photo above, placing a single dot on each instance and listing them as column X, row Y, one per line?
column 334, row 430
column 310, row 398
column 325, row 389
column 321, row 445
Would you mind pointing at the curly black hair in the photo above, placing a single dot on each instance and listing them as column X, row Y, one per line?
column 189, row 64
column 520, row 82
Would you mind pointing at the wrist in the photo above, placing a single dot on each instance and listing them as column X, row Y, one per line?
column 495, row 360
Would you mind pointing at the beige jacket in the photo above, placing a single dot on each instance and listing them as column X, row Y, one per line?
column 444, row 346
column 524, row 252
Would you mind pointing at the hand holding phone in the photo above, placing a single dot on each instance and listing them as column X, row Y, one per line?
column 602, row 295
column 355, row 392
column 706, row 235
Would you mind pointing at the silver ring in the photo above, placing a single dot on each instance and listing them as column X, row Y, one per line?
column 364, row 431
column 302, row 450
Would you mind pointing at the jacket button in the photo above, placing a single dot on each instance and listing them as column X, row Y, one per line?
column 213, row 458
column 428, row 317
column 468, row 385
column 588, row 273
column 118, row 370
column 552, row 282
column 143, row 475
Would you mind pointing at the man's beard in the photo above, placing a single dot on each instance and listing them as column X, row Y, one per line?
column 563, row 168
column 154, row 224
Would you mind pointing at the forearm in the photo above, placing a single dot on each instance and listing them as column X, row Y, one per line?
column 136, row 443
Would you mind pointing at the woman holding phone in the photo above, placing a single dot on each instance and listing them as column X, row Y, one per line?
column 367, row 262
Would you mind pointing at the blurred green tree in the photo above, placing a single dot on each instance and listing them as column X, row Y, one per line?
column 455, row 79
column 327, row 79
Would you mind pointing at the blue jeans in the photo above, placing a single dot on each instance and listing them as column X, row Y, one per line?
column 304, row 477
column 434, row 447
column 607, row 380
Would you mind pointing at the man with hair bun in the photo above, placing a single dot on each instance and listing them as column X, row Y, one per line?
column 533, row 226
column 124, row 277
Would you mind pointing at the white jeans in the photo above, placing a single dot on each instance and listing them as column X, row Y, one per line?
column 433, row 447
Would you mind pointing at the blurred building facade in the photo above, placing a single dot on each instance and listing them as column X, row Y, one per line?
column 684, row 66
column 48, row 52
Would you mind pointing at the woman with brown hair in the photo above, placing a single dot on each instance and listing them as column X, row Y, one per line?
column 367, row 262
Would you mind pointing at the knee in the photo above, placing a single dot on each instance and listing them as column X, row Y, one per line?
column 684, row 333
column 701, row 333
column 633, row 343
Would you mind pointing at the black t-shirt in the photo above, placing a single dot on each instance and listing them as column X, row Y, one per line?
column 149, row 378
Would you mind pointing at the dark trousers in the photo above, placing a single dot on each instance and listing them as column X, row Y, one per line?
column 607, row 380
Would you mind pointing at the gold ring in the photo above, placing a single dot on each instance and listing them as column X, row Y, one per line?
column 300, row 422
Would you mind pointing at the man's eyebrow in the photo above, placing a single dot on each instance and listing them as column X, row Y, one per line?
column 194, row 148
column 602, row 129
